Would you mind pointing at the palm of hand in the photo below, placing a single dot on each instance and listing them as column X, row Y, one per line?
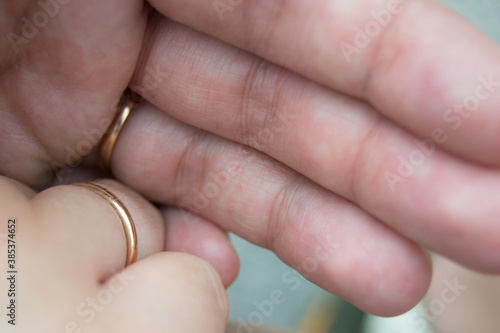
column 60, row 78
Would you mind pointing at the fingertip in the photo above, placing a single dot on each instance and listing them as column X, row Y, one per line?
column 370, row 266
column 409, row 283
column 392, row 283
column 222, row 256
column 195, row 235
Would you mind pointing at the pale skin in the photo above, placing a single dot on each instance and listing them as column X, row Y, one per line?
column 328, row 134
column 65, row 283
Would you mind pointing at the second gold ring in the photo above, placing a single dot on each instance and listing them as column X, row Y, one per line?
column 123, row 110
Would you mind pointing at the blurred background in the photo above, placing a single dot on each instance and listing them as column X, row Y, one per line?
column 302, row 307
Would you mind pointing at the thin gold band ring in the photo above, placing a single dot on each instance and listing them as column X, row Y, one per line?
column 123, row 110
column 124, row 216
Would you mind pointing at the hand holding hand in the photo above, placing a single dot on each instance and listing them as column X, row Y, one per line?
column 358, row 160
column 68, row 271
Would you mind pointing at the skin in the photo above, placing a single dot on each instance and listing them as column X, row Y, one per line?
column 84, row 290
column 475, row 305
column 308, row 136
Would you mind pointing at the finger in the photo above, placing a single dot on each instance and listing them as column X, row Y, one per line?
column 337, row 141
column 426, row 74
column 189, row 233
column 88, row 231
column 72, row 248
column 171, row 292
column 72, row 242
column 23, row 189
column 330, row 240
column 185, row 233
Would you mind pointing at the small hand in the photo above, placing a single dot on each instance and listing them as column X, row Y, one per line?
column 68, row 274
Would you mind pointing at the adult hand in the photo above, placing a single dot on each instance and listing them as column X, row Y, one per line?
column 68, row 257
column 348, row 123
column 63, row 68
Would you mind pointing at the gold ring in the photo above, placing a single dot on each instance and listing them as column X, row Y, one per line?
column 123, row 110
column 124, row 216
